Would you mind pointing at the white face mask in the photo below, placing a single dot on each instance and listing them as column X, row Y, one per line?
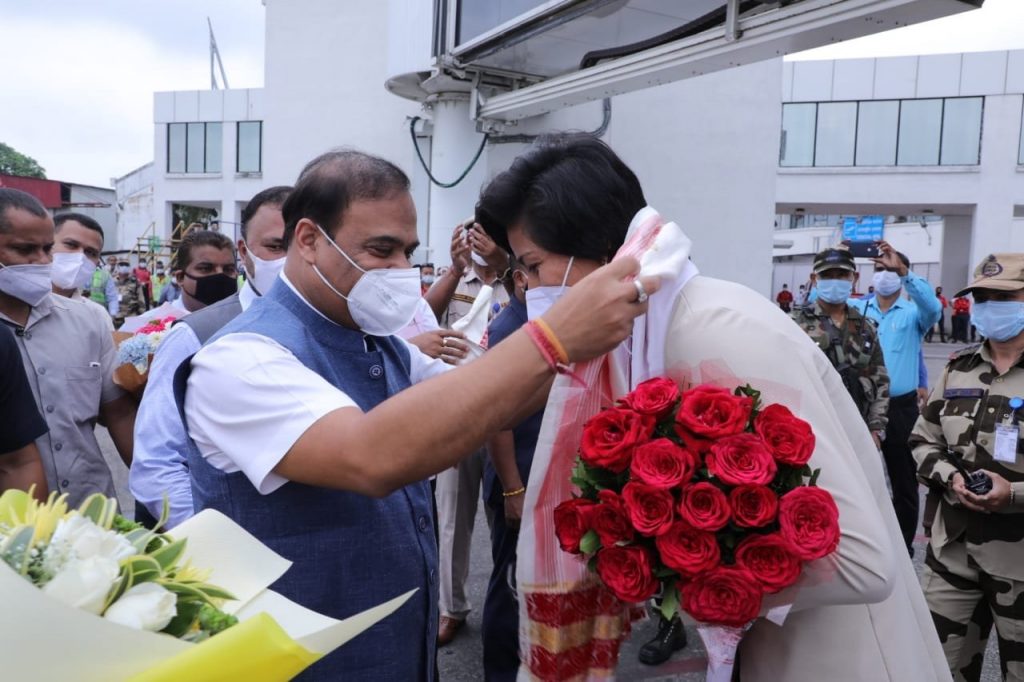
column 540, row 299
column 266, row 271
column 886, row 282
column 72, row 270
column 28, row 283
column 383, row 300
column 478, row 259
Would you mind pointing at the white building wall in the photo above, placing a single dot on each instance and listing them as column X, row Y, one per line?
column 135, row 209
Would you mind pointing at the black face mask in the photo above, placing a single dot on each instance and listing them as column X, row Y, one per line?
column 213, row 288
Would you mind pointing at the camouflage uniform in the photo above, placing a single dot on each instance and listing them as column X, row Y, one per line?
column 854, row 346
column 974, row 567
column 131, row 300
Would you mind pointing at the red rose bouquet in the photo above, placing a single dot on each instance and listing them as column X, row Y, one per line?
column 704, row 496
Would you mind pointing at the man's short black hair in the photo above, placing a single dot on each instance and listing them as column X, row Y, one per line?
column 274, row 196
column 195, row 239
column 85, row 221
column 332, row 181
column 571, row 194
column 16, row 199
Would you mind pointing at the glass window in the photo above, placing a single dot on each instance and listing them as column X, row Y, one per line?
column 249, row 147
column 877, row 125
column 837, row 129
column 214, row 148
column 920, row 127
column 798, row 122
column 196, row 157
column 175, row 147
column 1020, row 153
column 961, row 131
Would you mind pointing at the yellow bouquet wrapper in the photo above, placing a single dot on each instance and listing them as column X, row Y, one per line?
column 43, row 639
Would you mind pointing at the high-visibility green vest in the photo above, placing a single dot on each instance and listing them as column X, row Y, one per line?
column 98, row 288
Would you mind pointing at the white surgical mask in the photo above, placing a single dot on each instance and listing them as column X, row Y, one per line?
column 540, row 299
column 266, row 271
column 886, row 282
column 72, row 270
column 28, row 283
column 383, row 300
column 428, row 279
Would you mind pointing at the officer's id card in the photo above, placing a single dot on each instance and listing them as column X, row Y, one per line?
column 1007, row 436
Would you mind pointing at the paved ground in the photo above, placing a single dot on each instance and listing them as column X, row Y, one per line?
column 462, row 660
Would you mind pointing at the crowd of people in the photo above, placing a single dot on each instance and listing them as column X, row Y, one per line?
column 351, row 410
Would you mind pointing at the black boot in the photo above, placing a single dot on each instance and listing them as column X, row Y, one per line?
column 671, row 637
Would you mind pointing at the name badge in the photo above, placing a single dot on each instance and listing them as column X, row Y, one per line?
column 950, row 393
column 1006, row 442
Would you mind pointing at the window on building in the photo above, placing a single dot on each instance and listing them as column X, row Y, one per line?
column 250, row 146
column 194, row 147
column 914, row 132
column 1020, row 152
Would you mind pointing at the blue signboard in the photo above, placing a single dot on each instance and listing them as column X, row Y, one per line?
column 864, row 228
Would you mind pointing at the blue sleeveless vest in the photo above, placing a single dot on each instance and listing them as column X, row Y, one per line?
column 349, row 552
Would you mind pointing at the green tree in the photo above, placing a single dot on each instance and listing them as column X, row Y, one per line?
column 13, row 162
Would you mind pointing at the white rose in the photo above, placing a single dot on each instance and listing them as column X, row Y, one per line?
column 146, row 606
column 84, row 583
column 77, row 537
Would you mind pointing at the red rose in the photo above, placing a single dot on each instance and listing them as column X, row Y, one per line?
column 741, row 459
column 788, row 438
column 809, row 521
column 688, row 550
column 753, row 506
column 770, row 559
column 704, row 506
column 649, row 508
column 611, row 436
column 711, row 412
column 723, row 596
column 610, row 519
column 628, row 572
column 572, row 521
column 654, row 397
column 663, row 464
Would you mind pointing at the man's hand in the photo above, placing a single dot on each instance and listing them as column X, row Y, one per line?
column 993, row 500
column 597, row 313
column 459, row 251
column 889, row 259
column 514, row 510
column 922, row 398
column 482, row 244
column 444, row 344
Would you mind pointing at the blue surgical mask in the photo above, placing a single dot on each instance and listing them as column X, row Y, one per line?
column 834, row 290
column 999, row 320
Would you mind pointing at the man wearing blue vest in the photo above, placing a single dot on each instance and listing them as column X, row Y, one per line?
column 309, row 428
column 902, row 325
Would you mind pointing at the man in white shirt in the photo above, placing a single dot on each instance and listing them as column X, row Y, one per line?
column 159, row 467
column 308, row 433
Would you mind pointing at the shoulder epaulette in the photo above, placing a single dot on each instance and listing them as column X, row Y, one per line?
column 964, row 352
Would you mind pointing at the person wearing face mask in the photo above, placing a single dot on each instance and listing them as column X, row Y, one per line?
column 131, row 300
column 902, row 324
column 160, row 280
column 848, row 339
column 76, row 261
column 974, row 568
column 68, row 354
column 160, row 467
column 427, row 277
column 205, row 269
column 315, row 428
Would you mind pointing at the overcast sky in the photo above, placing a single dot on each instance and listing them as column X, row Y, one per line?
column 78, row 85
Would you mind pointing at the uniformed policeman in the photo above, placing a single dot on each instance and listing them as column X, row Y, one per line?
column 848, row 338
column 974, row 568
column 131, row 300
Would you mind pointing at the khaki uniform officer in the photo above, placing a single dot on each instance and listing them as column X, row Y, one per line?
column 974, row 569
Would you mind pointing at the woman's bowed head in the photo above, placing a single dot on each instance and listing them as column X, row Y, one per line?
column 704, row 494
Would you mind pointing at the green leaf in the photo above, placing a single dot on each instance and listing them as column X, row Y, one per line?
column 17, row 550
column 188, row 612
column 590, row 543
column 168, row 555
column 214, row 592
column 99, row 509
column 670, row 602
column 814, row 478
column 664, row 572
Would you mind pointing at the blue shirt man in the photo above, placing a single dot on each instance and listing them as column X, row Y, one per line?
column 902, row 325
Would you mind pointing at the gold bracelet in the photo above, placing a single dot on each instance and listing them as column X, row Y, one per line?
column 513, row 493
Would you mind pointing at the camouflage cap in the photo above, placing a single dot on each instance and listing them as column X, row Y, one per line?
column 999, row 271
column 833, row 258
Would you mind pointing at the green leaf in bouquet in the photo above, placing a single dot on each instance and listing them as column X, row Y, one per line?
column 590, row 543
column 670, row 601
column 750, row 392
column 141, row 569
column 168, row 555
column 188, row 592
column 814, row 478
column 188, row 613
column 100, row 509
column 17, row 549
column 213, row 592
column 592, row 564
column 665, row 572
column 14, row 505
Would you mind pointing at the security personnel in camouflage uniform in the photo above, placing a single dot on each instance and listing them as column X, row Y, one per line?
column 131, row 300
column 974, row 568
column 849, row 339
